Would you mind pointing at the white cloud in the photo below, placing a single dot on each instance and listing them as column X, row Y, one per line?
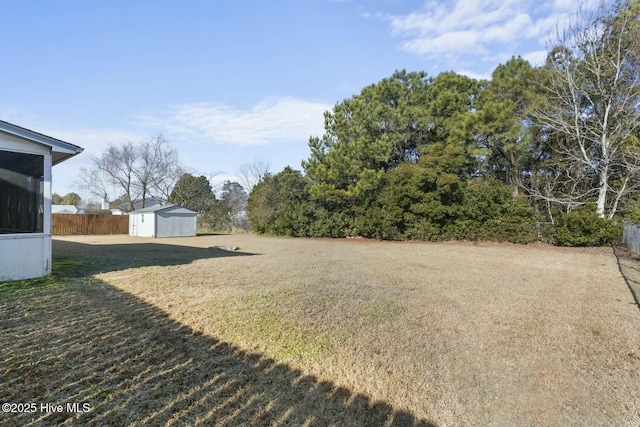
column 456, row 41
column 459, row 33
column 269, row 121
column 546, row 27
column 509, row 30
column 474, row 75
column 536, row 58
column 436, row 18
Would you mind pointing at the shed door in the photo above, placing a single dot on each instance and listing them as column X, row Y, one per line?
column 175, row 224
column 133, row 225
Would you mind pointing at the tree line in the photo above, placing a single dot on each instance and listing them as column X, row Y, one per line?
column 536, row 152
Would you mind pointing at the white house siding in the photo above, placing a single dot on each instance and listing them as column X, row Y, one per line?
column 25, row 256
column 28, row 255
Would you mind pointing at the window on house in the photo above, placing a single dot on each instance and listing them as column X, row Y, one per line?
column 21, row 193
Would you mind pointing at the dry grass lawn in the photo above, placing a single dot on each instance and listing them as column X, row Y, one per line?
column 323, row 332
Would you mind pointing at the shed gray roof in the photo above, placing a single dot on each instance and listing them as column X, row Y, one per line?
column 161, row 208
column 60, row 150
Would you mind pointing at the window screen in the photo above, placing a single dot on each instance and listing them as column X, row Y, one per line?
column 21, row 192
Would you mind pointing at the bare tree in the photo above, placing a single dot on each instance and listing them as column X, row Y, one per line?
column 94, row 181
column 137, row 171
column 170, row 173
column 113, row 169
column 253, row 173
column 157, row 168
column 592, row 82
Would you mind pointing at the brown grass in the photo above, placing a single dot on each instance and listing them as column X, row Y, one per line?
column 325, row 332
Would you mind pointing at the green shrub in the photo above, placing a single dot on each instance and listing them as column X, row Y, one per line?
column 281, row 205
column 584, row 227
column 327, row 223
column 631, row 212
column 492, row 213
column 376, row 223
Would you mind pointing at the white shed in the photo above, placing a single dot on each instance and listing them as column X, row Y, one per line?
column 162, row 221
column 26, row 158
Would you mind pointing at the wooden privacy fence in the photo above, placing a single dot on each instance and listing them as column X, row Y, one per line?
column 631, row 237
column 74, row 224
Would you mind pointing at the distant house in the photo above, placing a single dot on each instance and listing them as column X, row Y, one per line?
column 105, row 205
column 162, row 221
column 26, row 158
column 63, row 209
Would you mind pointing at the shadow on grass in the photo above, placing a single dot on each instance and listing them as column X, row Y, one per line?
column 81, row 341
column 629, row 267
column 96, row 258
column 210, row 233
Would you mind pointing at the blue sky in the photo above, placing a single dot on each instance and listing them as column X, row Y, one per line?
column 228, row 82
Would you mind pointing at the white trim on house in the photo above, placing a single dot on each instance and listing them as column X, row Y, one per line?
column 60, row 150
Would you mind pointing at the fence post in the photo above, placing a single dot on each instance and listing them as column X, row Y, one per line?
column 631, row 237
